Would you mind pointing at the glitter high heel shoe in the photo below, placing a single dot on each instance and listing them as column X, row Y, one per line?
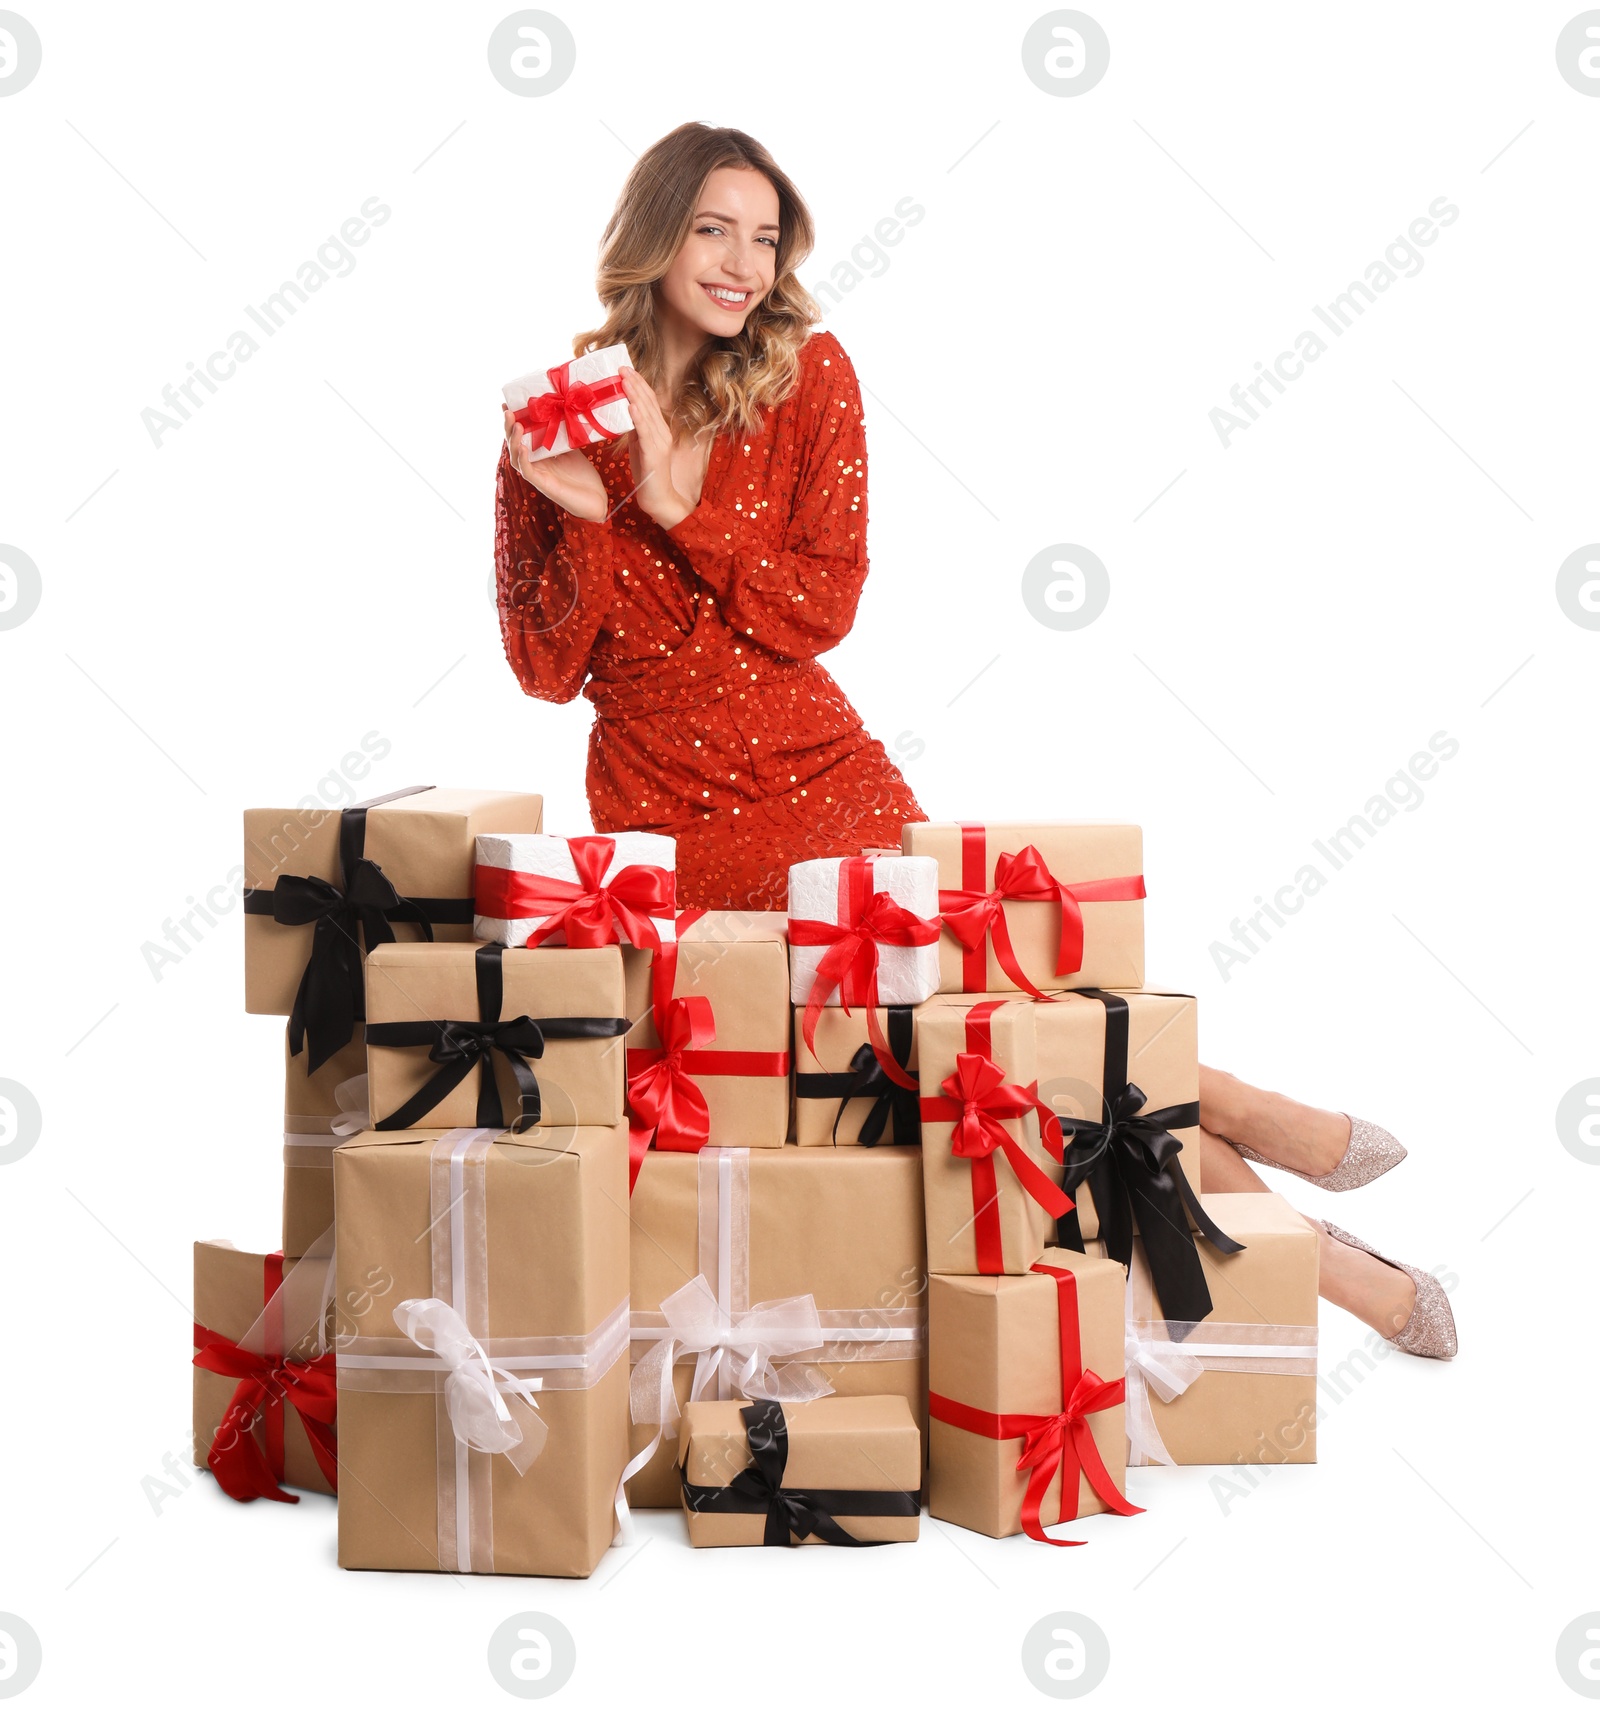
column 1431, row 1329
column 1371, row 1151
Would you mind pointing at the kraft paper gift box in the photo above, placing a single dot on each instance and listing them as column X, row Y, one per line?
column 593, row 890
column 843, row 1470
column 464, row 1253
column 479, row 1034
column 1025, row 1382
column 264, row 1393
column 991, row 1177
column 708, row 1056
column 890, row 904
column 576, row 403
column 842, row 1095
column 808, row 1259
column 1241, row 1385
column 320, row 883
column 1036, row 907
column 320, row 1109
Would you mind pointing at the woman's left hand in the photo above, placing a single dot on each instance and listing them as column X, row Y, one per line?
column 650, row 454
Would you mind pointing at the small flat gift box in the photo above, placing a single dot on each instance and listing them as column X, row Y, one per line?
column 583, row 891
column 843, row 1470
column 314, row 1122
column 576, row 403
column 1036, row 907
column 476, row 1034
column 875, row 919
column 842, row 1095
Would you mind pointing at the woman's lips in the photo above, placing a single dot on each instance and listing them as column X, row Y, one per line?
column 724, row 302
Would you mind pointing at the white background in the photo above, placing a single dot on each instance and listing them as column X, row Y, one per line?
column 308, row 560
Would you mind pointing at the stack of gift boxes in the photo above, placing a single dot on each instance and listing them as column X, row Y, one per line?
column 790, row 1222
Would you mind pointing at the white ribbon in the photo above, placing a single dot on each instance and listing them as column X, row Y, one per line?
column 1164, row 1368
column 355, row 1111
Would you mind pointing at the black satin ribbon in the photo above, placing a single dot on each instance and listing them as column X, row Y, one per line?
column 792, row 1515
column 1130, row 1163
column 457, row 1046
column 867, row 1079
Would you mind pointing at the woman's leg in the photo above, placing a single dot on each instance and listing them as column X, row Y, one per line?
column 1279, row 1128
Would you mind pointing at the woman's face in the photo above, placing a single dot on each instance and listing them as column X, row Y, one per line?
column 729, row 259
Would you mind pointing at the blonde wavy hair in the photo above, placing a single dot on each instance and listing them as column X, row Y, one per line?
column 731, row 381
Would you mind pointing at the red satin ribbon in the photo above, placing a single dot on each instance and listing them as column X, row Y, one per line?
column 588, row 910
column 668, row 1109
column 978, row 1100
column 1061, row 1443
column 867, row 919
column 246, row 1468
column 569, row 404
column 976, row 912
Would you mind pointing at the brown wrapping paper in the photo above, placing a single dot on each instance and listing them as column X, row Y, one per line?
column 557, row 1257
column 1026, row 1227
column 309, row 1109
column 994, row 1343
column 839, row 1037
column 739, row 961
column 580, row 1081
column 1073, row 850
column 843, row 1226
column 425, row 844
column 837, row 1443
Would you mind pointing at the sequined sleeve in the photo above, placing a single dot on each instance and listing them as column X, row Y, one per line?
column 553, row 586
column 792, row 582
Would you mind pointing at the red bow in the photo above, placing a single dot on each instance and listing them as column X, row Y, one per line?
column 589, row 911
column 243, row 1468
column 867, row 919
column 569, row 404
column 973, row 913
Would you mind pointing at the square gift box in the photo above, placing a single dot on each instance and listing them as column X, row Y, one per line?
column 576, row 403
column 531, row 888
column 868, row 926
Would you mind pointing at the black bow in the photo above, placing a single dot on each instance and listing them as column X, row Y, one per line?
column 791, row 1515
column 866, row 1078
column 1130, row 1162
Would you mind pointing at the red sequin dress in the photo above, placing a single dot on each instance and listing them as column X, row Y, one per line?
column 698, row 644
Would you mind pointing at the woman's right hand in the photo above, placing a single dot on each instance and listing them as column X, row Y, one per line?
column 568, row 478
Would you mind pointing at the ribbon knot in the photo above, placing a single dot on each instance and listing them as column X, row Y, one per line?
column 308, row 1386
column 569, row 404
column 588, row 910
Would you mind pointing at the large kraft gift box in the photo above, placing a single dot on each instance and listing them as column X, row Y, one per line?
column 315, row 1120
column 263, row 1407
column 1007, row 925
column 991, row 1181
column 839, row 1227
column 423, row 840
column 721, row 992
column 1006, row 1357
column 461, row 1241
column 1250, row 1368
column 842, row 1094
column 415, row 991
column 841, row 1470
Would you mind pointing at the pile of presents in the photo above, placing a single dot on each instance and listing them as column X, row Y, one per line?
column 792, row 1222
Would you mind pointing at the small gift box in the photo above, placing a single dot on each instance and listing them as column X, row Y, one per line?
column 863, row 930
column 535, row 890
column 845, row 1470
column 991, row 1152
column 576, row 403
column 320, row 1109
column 1025, row 1397
column 483, row 1339
column 321, row 883
column 1036, row 908
column 264, row 1392
column 1241, row 1385
column 512, row 1038
column 708, row 1057
column 856, row 1104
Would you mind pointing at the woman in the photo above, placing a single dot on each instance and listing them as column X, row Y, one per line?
column 686, row 577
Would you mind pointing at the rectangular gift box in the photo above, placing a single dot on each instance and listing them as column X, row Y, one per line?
column 1250, row 1367
column 311, row 1111
column 412, row 989
column 515, row 1246
column 1100, row 863
column 841, row 1091
column 833, row 890
column 722, row 991
column 995, row 1212
column 840, row 1229
column 853, row 1461
column 422, row 839
column 583, row 394
column 995, row 1366
column 258, row 1328
column 525, row 882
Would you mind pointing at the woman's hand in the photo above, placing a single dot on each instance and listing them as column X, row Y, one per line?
column 650, row 454
column 568, row 478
